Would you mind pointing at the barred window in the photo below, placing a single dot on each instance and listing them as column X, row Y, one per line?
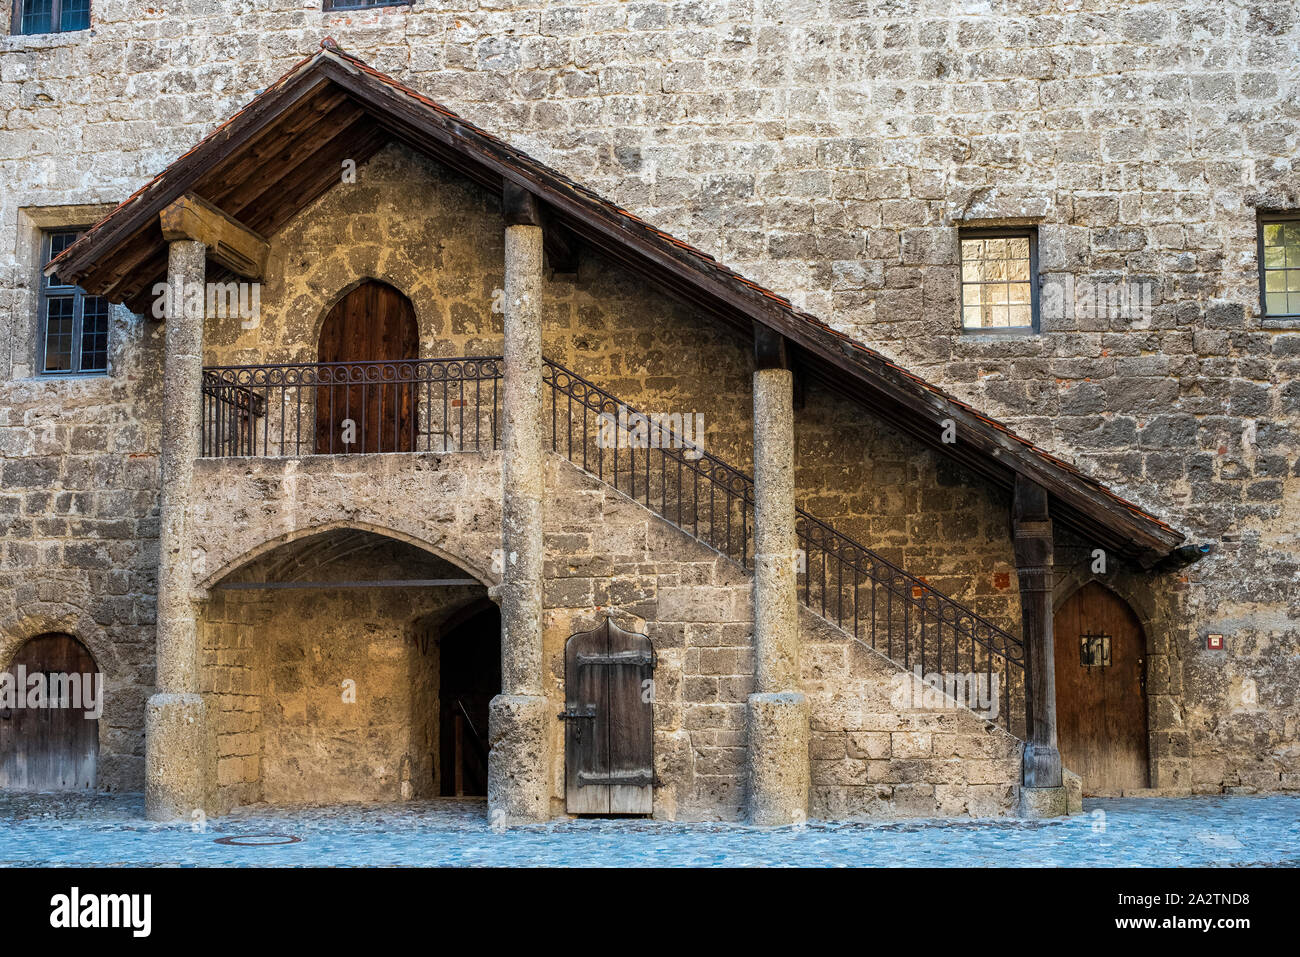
column 999, row 288
column 1279, row 266
column 50, row 16
column 74, row 326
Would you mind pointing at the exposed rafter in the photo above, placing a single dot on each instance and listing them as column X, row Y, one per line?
column 230, row 243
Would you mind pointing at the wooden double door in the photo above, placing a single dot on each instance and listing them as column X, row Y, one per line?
column 363, row 342
column 1101, row 706
column 43, row 747
column 609, row 722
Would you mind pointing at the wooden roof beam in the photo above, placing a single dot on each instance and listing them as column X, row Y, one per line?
column 230, row 243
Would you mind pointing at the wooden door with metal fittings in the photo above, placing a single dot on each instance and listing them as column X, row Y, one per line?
column 609, row 722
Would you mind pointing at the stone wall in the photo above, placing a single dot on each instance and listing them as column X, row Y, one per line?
column 828, row 148
column 605, row 555
column 872, row 758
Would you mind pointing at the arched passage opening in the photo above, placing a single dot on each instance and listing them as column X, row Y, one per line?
column 1101, row 707
column 51, row 698
column 323, row 666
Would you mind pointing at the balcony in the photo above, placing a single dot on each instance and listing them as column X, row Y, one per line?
column 333, row 408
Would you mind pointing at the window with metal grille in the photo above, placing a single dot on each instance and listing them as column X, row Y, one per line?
column 74, row 326
column 999, row 288
column 362, row 4
column 1279, row 265
column 50, row 16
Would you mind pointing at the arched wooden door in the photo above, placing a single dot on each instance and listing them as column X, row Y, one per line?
column 364, row 338
column 50, row 742
column 1101, row 708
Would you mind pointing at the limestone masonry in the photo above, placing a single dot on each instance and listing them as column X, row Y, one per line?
column 841, row 153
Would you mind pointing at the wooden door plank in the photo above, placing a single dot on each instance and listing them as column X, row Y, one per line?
column 1101, row 711
column 50, row 748
column 631, row 726
column 586, row 740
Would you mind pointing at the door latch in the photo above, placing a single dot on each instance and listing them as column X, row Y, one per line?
column 568, row 714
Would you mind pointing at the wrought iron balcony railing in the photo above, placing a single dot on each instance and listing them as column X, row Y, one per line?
column 417, row 405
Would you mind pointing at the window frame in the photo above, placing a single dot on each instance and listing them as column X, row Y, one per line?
column 1001, row 232
column 1261, row 220
column 351, row 6
column 56, row 19
column 49, row 290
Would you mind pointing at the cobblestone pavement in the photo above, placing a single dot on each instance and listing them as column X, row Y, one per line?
column 110, row 829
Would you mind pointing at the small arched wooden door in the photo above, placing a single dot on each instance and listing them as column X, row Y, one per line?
column 609, row 722
column 50, row 742
column 1101, row 707
column 363, row 341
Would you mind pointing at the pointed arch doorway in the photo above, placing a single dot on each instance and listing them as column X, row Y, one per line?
column 363, row 342
column 1101, row 706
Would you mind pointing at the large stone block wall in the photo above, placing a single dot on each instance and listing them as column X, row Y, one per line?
column 826, row 147
column 608, row 556
column 78, row 533
column 287, row 730
column 878, row 753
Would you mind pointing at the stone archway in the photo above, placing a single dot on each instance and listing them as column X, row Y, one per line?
column 123, row 687
column 321, row 687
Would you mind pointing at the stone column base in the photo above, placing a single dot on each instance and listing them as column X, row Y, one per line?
column 1073, row 785
column 178, row 777
column 519, row 760
column 1043, row 802
column 779, row 780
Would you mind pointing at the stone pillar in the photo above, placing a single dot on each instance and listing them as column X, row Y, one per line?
column 177, row 759
column 1042, row 793
column 777, row 713
column 518, row 762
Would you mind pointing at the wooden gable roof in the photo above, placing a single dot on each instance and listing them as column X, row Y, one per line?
column 285, row 149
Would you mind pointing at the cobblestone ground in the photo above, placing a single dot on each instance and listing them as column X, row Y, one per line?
column 102, row 829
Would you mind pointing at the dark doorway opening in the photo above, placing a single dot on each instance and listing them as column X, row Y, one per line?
column 469, row 678
column 363, row 342
column 1101, row 706
column 50, row 741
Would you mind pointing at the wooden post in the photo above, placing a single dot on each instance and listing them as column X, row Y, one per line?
column 1033, row 547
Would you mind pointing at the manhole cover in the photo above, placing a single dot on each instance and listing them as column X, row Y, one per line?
column 257, row 840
